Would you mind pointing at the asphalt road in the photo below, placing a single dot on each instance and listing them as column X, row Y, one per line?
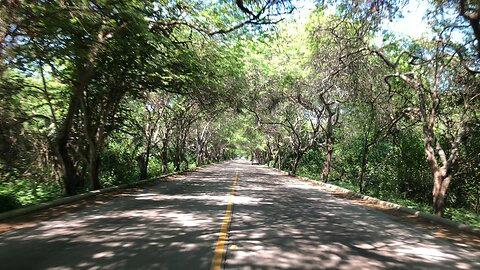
column 277, row 222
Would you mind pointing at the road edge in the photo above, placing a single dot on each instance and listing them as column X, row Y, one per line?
column 418, row 214
column 65, row 200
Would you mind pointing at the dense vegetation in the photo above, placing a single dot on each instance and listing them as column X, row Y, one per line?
column 98, row 93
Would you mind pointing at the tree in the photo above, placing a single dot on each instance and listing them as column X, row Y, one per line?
column 432, row 70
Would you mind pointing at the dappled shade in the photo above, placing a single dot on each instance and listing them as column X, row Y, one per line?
column 278, row 223
column 293, row 225
column 168, row 226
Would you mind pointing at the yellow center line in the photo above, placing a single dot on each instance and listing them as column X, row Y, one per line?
column 222, row 236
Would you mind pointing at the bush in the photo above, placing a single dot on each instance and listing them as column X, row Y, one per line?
column 8, row 202
column 118, row 167
column 311, row 164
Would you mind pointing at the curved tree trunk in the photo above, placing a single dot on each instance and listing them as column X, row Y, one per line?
column 71, row 180
column 69, row 175
column 294, row 163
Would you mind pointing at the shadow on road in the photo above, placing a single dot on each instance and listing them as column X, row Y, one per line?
column 173, row 225
column 278, row 223
column 289, row 224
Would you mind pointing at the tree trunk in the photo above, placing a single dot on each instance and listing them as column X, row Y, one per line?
column 363, row 167
column 84, row 72
column 176, row 161
column 441, row 180
column 477, row 203
column 294, row 163
column 327, row 164
column 71, row 180
column 94, row 171
column 147, row 160
column 164, row 156
column 143, row 163
column 141, row 166
column 93, row 167
column 440, row 187
column 68, row 172
column 185, row 163
column 207, row 156
column 438, row 195
column 268, row 154
column 198, row 159
column 183, row 155
column 199, row 155
column 221, row 154
column 176, row 157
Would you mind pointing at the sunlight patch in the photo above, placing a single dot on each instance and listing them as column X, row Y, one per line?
column 186, row 219
column 426, row 253
column 246, row 200
column 105, row 254
column 299, row 186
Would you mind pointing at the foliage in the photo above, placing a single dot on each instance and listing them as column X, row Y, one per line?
column 118, row 165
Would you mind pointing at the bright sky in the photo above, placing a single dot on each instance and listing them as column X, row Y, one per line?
column 411, row 25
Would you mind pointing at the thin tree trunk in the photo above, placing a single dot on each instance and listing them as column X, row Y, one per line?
column 94, row 169
column 294, row 163
column 477, row 203
column 185, row 163
column 363, row 168
column 144, row 163
column 199, row 154
column 275, row 160
column 176, row 160
column 327, row 164
column 47, row 95
column 279, row 161
column 198, row 159
column 164, row 155
column 146, row 159
column 268, row 157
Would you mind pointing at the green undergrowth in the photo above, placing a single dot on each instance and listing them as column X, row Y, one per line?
column 26, row 192
column 463, row 215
